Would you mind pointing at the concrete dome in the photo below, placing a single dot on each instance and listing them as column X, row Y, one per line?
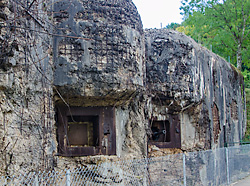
column 98, row 48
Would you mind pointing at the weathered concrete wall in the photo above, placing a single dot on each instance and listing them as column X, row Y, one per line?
column 26, row 107
column 131, row 123
column 205, row 91
column 100, row 51
column 99, row 61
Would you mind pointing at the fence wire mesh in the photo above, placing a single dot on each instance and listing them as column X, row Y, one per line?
column 206, row 168
column 209, row 168
column 239, row 162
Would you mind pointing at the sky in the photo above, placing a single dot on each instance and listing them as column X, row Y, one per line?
column 155, row 12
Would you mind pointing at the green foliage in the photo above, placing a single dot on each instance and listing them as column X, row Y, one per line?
column 246, row 75
column 224, row 24
column 173, row 26
column 247, row 134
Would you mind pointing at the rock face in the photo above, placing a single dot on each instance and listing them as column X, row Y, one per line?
column 81, row 82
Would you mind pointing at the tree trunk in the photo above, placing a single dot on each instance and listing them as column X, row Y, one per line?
column 239, row 57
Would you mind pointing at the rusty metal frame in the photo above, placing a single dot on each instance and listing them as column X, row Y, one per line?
column 106, row 129
column 175, row 134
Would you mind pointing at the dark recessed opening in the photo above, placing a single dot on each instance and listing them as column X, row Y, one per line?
column 166, row 133
column 161, row 131
column 83, row 131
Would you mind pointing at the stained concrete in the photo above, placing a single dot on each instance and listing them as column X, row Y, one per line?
column 96, row 53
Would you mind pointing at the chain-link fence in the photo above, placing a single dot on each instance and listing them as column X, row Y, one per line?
column 213, row 167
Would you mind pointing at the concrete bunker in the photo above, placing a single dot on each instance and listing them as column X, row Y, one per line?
column 98, row 77
column 196, row 87
column 115, row 89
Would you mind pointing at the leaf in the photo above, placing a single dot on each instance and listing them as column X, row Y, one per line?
column 224, row 24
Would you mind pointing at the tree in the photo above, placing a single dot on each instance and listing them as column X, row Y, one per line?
column 226, row 22
column 173, row 26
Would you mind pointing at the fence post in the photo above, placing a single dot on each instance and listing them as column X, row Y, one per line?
column 227, row 163
column 68, row 177
column 36, row 182
column 184, row 169
column 5, row 180
column 215, row 154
